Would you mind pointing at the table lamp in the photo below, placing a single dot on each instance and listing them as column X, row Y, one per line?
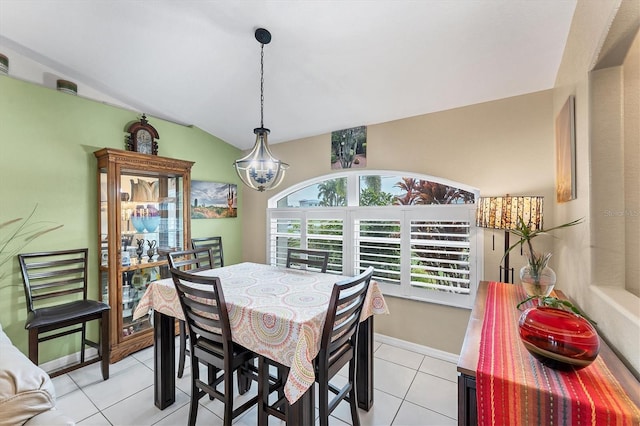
column 503, row 213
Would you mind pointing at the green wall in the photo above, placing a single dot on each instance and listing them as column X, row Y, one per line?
column 47, row 140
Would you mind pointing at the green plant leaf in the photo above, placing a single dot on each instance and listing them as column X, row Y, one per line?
column 525, row 234
column 25, row 232
column 554, row 302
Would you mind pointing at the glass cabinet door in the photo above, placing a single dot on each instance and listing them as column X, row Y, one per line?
column 142, row 217
column 151, row 225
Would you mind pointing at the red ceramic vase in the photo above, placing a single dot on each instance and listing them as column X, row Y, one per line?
column 559, row 339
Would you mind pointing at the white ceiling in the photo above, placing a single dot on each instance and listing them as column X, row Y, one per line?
column 330, row 64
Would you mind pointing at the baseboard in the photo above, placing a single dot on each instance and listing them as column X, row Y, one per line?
column 414, row 347
column 403, row 344
column 74, row 358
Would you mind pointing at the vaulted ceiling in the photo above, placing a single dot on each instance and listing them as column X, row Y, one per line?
column 330, row 64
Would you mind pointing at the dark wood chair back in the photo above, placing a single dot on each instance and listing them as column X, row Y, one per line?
column 210, row 343
column 309, row 259
column 53, row 275
column 55, row 288
column 205, row 310
column 337, row 348
column 213, row 243
column 339, row 342
column 194, row 260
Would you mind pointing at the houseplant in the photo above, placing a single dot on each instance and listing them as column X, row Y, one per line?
column 537, row 277
column 16, row 233
column 554, row 331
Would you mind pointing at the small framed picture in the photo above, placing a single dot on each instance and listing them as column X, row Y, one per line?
column 349, row 148
column 566, row 152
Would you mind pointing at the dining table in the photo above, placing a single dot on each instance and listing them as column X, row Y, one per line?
column 276, row 312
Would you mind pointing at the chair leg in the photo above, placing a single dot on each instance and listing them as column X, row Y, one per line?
column 353, row 400
column 323, row 398
column 33, row 345
column 103, row 348
column 244, row 379
column 228, row 395
column 282, row 375
column 183, row 348
column 263, row 391
column 212, row 375
column 83, row 341
column 195, row 392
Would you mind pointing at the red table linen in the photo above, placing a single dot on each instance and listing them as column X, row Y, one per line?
column 515, row 388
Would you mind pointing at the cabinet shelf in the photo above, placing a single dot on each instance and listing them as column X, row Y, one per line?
column 143, row 265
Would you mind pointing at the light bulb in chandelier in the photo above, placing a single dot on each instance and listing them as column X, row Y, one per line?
column 259, row 169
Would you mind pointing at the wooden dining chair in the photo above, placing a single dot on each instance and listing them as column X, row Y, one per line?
column 193, row 261
column 213, row 243
column 309, row 259
column 338, row 346
column 210, row 343
column 55, row 289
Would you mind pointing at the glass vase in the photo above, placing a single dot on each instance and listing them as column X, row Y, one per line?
column 558, row 338
column 537, row 278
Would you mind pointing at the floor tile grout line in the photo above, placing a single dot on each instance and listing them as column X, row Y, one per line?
column 402, row 399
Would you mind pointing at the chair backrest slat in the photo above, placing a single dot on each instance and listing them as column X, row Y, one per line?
column 203, row 307
column 193, row 260
column 213, row 243
column 44, row 285
column 50, row 295
column 315, row 260
column 55, row 274
column 345, row 306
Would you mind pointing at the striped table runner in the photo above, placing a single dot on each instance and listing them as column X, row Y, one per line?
column 515, row 388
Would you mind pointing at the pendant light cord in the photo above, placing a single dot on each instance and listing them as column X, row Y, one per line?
column 262, row 86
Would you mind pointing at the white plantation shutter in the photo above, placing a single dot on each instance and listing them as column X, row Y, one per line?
column 285, row 233
column 377, row 244
column 440, row 255
column 423, row 252
column 327, row 234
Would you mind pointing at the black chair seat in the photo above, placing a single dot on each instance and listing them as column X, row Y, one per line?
column 52, row 316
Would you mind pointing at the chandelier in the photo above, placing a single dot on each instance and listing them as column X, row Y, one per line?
column 260, row 170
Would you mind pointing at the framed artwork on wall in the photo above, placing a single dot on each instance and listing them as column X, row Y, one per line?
column 566, row 152
column 349, row 148
column 213, row 200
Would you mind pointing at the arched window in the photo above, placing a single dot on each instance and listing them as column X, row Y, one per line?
column 417, row 231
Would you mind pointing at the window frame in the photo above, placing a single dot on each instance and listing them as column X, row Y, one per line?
column 405, row 213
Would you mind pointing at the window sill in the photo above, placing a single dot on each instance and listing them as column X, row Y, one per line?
column 616, row 311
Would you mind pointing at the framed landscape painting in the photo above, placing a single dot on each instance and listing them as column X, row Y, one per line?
column 213, row 200
column 566, row 152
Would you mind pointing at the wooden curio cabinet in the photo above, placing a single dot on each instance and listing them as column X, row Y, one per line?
column 143, row 214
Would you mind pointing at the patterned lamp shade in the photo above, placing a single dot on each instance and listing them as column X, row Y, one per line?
column 503, row 212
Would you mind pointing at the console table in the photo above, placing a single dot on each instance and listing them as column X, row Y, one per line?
column 469, row 356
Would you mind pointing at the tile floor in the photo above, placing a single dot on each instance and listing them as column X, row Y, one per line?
column 410, row 389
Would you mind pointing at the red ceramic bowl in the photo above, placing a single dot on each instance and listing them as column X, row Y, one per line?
column 559, row 339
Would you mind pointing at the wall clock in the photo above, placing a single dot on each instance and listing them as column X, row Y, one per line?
column 142, row 137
